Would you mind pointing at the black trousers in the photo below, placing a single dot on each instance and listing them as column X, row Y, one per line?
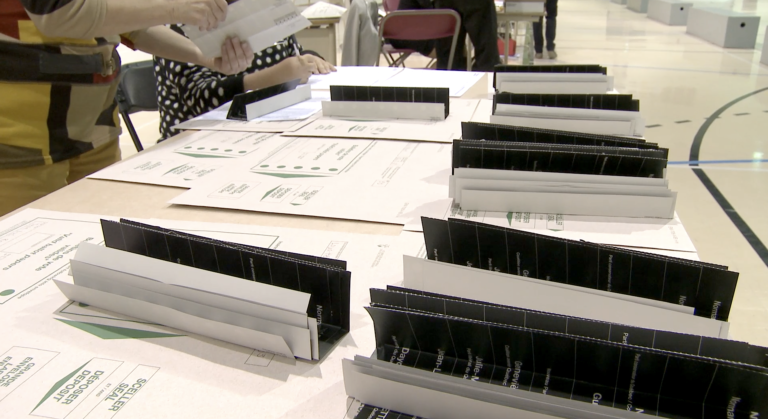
column 478, row 19
column 538, row 42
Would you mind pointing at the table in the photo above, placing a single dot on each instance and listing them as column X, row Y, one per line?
column 191, row 374
column 506, row 19
column 321, row 38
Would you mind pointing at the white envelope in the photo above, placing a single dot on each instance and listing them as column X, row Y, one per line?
column 93, row 277
column 261, row 22
column 427, row 394
column 172, row 318
column 552, row 297
column 186, row 276
column 610, row 205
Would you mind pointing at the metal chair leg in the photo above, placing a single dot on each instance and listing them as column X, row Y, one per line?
column 132, row 131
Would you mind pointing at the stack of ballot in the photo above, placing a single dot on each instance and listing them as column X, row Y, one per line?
column 578, row 330
column 283, row 303
column 570, row 78
column 609, row 114
column 503, row 168
column 385, row 102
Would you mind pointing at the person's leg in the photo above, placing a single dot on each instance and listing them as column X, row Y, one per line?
column 93, row 161
column 479, row 19
column 538, row 37
column 443, row 51
column 20, row 186
column 551, row 6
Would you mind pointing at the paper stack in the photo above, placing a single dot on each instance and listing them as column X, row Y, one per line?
column 283, row 303
column 609, row 114
column 531, row 170
column 569, row 79
column 547, row 327
column 425, row 103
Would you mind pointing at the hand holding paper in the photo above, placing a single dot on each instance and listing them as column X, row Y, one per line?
column 236, row 57
column 260, row 22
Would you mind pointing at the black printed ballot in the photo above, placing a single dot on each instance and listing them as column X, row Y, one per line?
column 326, row 280
column 237, row 110
column 438, row 95
column 555, row 68
column 622, row 376
column 366, row 411
column 608, row 102
column 406, row 299
column 496, row 132
column 559, row 158
column 708, row 288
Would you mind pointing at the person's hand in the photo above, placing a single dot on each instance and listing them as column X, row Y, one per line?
column 205, row 14
column 298, row 67
column 235, row 57
column 322, row 66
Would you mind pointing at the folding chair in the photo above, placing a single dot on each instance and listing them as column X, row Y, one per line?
column 136, row 92
column 417, row 25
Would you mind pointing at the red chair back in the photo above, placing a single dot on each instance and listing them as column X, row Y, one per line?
column 421, row 25
column 418, row 25
column 390, row 5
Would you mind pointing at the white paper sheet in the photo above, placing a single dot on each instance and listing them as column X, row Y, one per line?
column 353, row 76
column 435, row 131
column 457, row 81
column 178, row 319
column 185, row 161
column 121, row 284
column 571, row 203
column 568, row 83
column 261, row 22
column 649, row 233
column 280, row 102
column 384, row 110
column 283, row 120
column 382, row 181
column 534, row 294
column 423, row 393
column 82, row 272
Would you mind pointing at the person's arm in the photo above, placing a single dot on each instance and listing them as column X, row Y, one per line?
column 83, row 19
column 164, row 42
column 292, row 68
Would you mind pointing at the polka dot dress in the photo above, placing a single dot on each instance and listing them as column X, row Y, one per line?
column 186, row 90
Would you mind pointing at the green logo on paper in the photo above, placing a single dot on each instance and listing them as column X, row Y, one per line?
column 59, row 384
column 509, row 217
column 6, row 293
column 114, row 332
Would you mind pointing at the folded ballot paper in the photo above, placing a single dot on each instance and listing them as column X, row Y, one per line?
column 573, row 277
column 570, row 79
column 534, row 170
column 449, row 357
column 425, row 103
column 283, row 303
column 609, row 114
column 261, row 22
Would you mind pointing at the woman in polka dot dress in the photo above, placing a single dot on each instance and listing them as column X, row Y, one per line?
column 186, row 90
